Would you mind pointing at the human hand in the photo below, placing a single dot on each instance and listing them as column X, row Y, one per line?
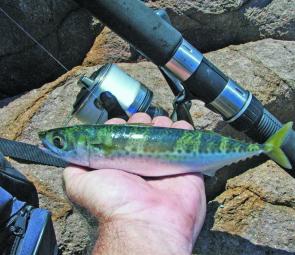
column 141, row 215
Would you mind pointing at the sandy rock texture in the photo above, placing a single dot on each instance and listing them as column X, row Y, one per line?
column 215, row 24
column 252, row 213
column 211, row 25
column 255, row 215
column 62, row 27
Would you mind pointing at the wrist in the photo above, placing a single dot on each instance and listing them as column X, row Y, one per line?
column 125, row 236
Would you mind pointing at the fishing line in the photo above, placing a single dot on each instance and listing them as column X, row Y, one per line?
column 67, row 120
column 42, row 47
column 33, row 39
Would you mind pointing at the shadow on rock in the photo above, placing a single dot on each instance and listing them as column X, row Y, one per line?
column 212, row 242
column 5, row 101
column 216, row 185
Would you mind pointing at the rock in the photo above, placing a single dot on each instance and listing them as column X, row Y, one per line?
column 260, row 197
column 62, row 27
column 255, row 215
column 212, row 25
column 107, row 48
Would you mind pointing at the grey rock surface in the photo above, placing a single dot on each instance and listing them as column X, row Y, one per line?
column 240, row 220
column 62, row 27
column 211, row 25
column 215, row 24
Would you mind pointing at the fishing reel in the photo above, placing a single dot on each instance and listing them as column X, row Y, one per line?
column 110, row 92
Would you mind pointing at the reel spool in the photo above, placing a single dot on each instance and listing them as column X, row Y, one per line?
column 131, row 95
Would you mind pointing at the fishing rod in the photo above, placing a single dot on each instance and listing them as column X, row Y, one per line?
column 165, row 46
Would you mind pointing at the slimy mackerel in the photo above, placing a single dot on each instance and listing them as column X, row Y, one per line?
column 156, row 151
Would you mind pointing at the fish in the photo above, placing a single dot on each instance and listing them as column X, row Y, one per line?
column 151, row 151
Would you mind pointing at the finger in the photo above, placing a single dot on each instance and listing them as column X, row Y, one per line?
column 183, row 125
column 71, row 172
column 140, row 117
column 72, row 175
column 162, row 121
column 115, row 121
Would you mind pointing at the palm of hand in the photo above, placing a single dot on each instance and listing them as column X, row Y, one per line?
column 174, row 203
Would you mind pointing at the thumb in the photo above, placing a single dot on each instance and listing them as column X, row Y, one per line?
column 75, row 180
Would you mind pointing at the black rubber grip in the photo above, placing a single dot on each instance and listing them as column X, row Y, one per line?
column 139, row 25
column 249, row 121
column 267, row 126
column 207, row 82
column 257, row 122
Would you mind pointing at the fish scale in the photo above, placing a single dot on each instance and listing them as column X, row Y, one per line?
column 155, row 151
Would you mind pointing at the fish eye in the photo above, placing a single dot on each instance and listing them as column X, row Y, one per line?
column 58, row 142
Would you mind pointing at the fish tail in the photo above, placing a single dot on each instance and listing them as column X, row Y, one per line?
column 273, row 146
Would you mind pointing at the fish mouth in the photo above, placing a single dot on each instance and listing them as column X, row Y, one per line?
column 49, row 149
column 42, row 135
column 71, row 156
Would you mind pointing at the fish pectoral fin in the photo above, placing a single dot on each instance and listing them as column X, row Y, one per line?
column 210, row 172
column 97, row 145
column 105, row 148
